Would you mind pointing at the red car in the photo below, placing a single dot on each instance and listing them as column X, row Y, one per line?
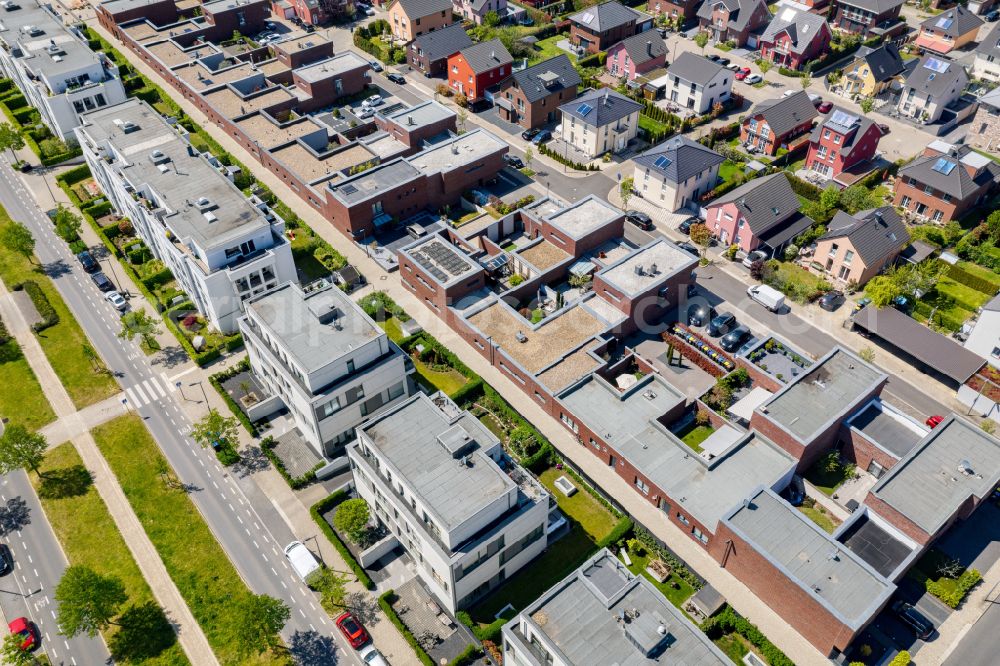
column 24, row 628
column 742, row 73
column 352, row 630
column 825, row 107
column 934, row 421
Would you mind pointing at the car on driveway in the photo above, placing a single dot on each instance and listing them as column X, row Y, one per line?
column 734, row 67
column 824, row 107
column 732, row 340
column 992, row 16
column 689, row 248
column 722, row 61
column 721, row 324
column 699, row 314
column 882, row 127
column 376, row 65
column 831, row 300
column 753, row 78
column 102, row 281
column 374, row 100
column 639, row 219
column 398, row 79
column 513, row 161
column 88, row 262
column 27, row 631
column 756, row 255
column 713, row 57
column 372, row 657
column 352, row 631
column 542, row 137
column 116, row 300
column 934, row 421
column 914, row 619
column 530, row 134
column 742, row 73
column 685, row 226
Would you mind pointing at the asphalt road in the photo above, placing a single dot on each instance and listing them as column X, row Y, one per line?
column 244, row 521
column 38, row 565
column 981, row 644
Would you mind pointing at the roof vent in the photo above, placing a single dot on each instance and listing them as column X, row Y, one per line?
column 638, row 270
column 410, row 121
column 57, row 58
column 661, row 630
column 210, row 217
column 158, row 157
column 521, row 337
column 965, row 467
column 649, row 395
column 126, row 126
column 203, row 203
column 653, row 269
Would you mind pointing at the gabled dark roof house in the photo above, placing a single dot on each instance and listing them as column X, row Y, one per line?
column 762, row 214
column 674, row 174
column 695, row 82
column 987, row 61
column 737, row 21
column 429, row 53
column 794, row 37
column 596, row 28
column 600, row 121
column 930, row 87
column 771, row 124
column 841, row 141
column 862, row 16
column 872, row 71
column 532, row 96
column 950, row 30
column 858, row 247
column 408, row 19
column 946, row 182
column 636, row 55
column 478, row 67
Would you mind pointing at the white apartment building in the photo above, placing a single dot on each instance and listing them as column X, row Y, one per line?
column 440, row 482
column 222, row 247
column 696, row 83
column 934, row 84
column 674, row 174
column 327, row 361
column 54, row 68
column 598, row 122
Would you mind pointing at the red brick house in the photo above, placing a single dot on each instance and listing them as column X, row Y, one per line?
column 597, row 28
column 532, row 96
column 673, row 9
column 862, row 16
column 793, row 38
column 945, row 183
column 773, row 123
column 637, row 55
column 841, row 141
column 737, row 21
column 478, row 67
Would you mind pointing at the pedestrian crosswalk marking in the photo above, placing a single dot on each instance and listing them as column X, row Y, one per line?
column 148, row 391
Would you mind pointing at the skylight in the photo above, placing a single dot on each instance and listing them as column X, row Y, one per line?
column 945, row 22
column 943, row 166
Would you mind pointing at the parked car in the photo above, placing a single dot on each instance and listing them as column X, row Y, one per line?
column 992, row 16
column 934, row 421
column 352, row 630
column 6, row 560
column 25, row 167
column 756, row 255
column 369, row 12
column 831, row 300
column 372, row 657
column 416, row 231
column 102, row 281
column 742, row 73
column 882, row 127
column 88, row 262
column 714, row 58
column 722, row 61
column 514, row 161
column 398, row 79
column 364, row 112
column 914, row 619
column 662, row 32
column 815, row 99
column 303, row 562
column 689, row 248
column 732, row 340
column 753, row 78
column 310, row 28
column 824, row 107
column 721, row 324
column 789, row 92
column 640, row 220
column 542, row 137
column 376, row 65
column 374, row 100
column 769, row 297
column 530, row 134
column 734, row 67
column 796, row 491
column 28, row 632
column 685, row 226
column 116, row 300
column 699, row 314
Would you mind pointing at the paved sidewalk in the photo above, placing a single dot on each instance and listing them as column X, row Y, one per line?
column 70, row 426
column 189, row 633
column 736, row 592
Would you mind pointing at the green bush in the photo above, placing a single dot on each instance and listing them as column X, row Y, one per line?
column 379, row 306
column 41, row 302
column 467, row 656
column 954, row 597
column 621, row 529
column 216, row 381
column 729, row 622
column 385, row 603
column 317, row 510
column 487, row 632
column 962, row 276
column 75, row 175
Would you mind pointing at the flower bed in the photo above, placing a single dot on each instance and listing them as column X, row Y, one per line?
column 706, row 356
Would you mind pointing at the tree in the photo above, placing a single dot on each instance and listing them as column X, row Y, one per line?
column 351, row 519
column 491, row 19
column 463, row 115
column 881, row 289
column 791, row 252
column 88, row 601
column 139, row 323
column 332, row 588
column 260, row 618
column 214, row 428
column 529, row 155
column 857, row 198
column 91, row 355
column 805, row 79
column 10, row 139
column 17, row 237
column 626, row 189
column 765, row 67
column 67, row 223
column 988, row 426
column 992, row 226
column 700, row 235
column 21, row 449
column 701, row 39
column 757, row 269
column 867, row 104
column 12, row 653
column 867, row 355
column 902, row 658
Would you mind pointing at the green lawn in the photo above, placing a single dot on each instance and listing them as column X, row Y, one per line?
column 796, row 282
column 391, row 328
column 735, row 646
column 583, row 507
column 677, row 595
column 729, row 170
column 27, row 405
column 449, row 380
column 650, row 125
column 89, row 537
column 980, row 271
column 63, row 343
column 195, row 561
column 546, row 48
column 820, row 516
column 965, row 297
column 826, row 482
column 693, row 435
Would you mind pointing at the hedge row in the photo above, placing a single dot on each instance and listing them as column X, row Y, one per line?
column 966, row 581
column 467, row 656
column 579, row 166
column 729, row 622
column 216, row 381
column 487, row 632
column 317, row 510
column 593, row 60
column 41, row 302
column 385, row 603
column 962, row 276
column 295, row 482
column 676, row 564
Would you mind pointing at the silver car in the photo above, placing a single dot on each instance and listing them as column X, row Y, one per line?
column 116, row 300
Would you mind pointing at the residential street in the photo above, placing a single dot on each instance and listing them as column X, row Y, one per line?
column 38, row 565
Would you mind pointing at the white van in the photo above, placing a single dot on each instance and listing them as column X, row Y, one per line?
column 303, row 561
column 769, row 297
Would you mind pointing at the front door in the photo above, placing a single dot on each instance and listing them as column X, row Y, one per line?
column 611, row 461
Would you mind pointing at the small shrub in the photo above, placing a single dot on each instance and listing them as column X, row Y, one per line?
column 42, row 305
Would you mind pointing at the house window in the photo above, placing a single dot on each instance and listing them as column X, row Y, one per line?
column 682, row 518
column 905, row 202
column 937, row 216
column 836, row 138
column 642, row 485
column 848, row 256
column 845, row 272
column 699, row 535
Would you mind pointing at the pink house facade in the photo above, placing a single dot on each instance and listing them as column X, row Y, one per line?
column 636, row 56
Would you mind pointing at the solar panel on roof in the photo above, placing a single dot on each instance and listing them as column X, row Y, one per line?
column 943, row 166
column 936, row 65
column 348, row 189
column 661, row 162
column 584, row 109
column 843, row 118
column 945, row 22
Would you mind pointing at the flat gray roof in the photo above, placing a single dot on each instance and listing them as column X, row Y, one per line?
column 315, row 328
column 179, row 179
column 426, row 113
column 324, row 69
column 890, row 430
column 125, row 5
column 414, row 438
column 585, row 216
column 453, row 153
column 955, row 461
column 580, row 617
column 658, row 261
column 444, row 262
column 73, row 54
column 825, row 569
column 374, row 181
column 627, row 421
column 829, row 388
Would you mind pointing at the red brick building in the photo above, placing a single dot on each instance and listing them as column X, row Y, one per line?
column 862, row 16
column 793, row 38
column 531, row 97
column 841, row 141
column 478, row 67
column 773, row 123
column 734, row 21
column 597, row 28
column 945, row 183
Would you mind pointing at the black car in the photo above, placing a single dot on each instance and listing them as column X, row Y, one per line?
column 713, row 57
column 102, row 281
column 722, row 62
column 640, row 220
column 831, row 300
column 721, row 324
column 6, row 560
column 25, row 167
column 87, row 261
column 514, row 161
column 691, row 249
column 685, row 226
column 732, row 340
column 376, row 65
column 396, row 78
column 699, row 314
column 529, row 134
column 913, row 618
column 662, row 32
column 542, row 137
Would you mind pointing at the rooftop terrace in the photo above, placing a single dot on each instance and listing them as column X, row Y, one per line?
column 200, row 78
column 310, row 168
column 420, row 115
column 269, row 134
column 647, row 267
column 544, row 255
column 232, row 105
column 172, row 55
column 374, row 181
column 888, row 428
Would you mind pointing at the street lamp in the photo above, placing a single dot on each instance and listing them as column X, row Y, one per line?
column 202, row 387
column 180, row 387
column 111, row 263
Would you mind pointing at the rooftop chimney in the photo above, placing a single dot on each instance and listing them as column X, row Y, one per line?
column 649, row 47
column 607, row 102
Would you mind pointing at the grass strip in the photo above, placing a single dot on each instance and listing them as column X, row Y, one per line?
column 22, row 399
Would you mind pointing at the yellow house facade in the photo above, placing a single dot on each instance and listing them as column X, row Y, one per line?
column 872, row 72
column 409, row 19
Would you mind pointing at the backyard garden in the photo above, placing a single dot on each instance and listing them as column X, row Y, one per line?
column 830, row 472
column 945, row 577
column 779, row 360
